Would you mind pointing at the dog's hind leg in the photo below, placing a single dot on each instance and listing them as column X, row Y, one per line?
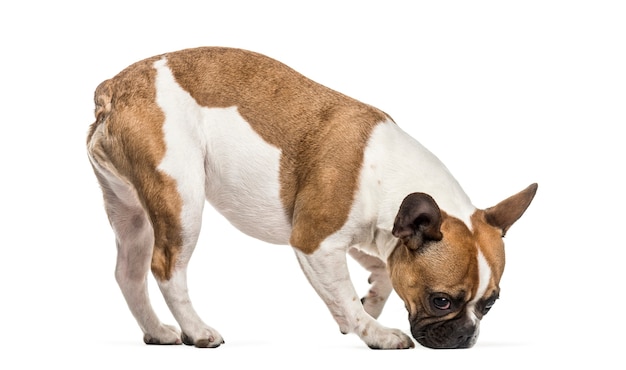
column 135, row 240
column 153, row 179
column 185, row 165
column 174, row 288
column 381, row 286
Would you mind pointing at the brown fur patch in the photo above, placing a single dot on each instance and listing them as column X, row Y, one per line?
column 127, row 138
column 321, row 133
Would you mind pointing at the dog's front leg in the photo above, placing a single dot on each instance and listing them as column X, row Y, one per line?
column 327, row 272
column 381, row 286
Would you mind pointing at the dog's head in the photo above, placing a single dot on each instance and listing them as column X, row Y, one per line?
column 446, row 272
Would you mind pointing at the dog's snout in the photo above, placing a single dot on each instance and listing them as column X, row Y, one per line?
column 447, row 335
column 465, row 338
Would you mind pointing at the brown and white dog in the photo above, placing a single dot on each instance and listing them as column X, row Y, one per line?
column 289, row 161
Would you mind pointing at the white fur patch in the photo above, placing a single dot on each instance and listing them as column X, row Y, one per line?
column 238, row 171
column 396, row 165
column 484, row 276
column 405, row 166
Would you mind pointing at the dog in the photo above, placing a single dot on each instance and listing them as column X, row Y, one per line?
column 289, row 161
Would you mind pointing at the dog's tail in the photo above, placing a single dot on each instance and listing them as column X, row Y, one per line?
column 98, row 140
column 102, row 99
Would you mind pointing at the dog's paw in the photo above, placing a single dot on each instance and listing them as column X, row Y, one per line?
column 204, row 338
column 165, row 334
column 385, row 338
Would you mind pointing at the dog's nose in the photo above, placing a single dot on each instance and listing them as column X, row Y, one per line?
column 465, row 341
column 466, row 336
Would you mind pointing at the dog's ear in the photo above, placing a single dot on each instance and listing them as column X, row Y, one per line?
column 505, row 213
column 418, row 220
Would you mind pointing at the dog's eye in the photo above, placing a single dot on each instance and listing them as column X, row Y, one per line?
column 442, row 303
column 489, row 304
column 487, row 308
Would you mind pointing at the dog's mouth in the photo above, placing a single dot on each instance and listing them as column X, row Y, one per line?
column 446, row 335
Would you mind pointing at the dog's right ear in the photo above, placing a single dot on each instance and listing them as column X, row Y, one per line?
column 418, row 221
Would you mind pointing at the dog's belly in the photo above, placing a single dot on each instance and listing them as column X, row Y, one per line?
column 217, row 149
column 242, row 176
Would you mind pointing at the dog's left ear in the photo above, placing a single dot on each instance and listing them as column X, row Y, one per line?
column 505, row 213
column 418, row 220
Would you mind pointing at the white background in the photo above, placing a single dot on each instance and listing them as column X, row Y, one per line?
column 505, row 93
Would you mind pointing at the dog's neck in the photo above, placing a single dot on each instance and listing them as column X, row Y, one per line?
column 401, row 165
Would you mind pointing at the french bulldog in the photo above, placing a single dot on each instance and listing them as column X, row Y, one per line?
column 289, row 161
